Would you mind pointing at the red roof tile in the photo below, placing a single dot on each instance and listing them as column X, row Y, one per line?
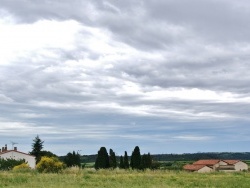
column 192, row 167
column 207, row 162
column 231, row 162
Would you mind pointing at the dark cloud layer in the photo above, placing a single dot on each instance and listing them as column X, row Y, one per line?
column 83, row 74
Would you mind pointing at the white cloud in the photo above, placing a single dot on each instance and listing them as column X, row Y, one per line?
column 36, row 41
column 193, row 138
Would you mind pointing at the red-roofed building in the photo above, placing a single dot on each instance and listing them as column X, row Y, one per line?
column 212, row 163
column 216, row 165
column 237, row 165
column 17, row 155
column 197, row 168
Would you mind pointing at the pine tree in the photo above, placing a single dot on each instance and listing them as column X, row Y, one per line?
column 136, row 158
column 121, row 165
column 126, row 163
column 112, row 159
column 37, row 147
column 102, row 160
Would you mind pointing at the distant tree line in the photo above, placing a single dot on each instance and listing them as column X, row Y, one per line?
column 202, row 155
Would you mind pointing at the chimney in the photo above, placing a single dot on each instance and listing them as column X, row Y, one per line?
column 6, row 149
column 15, row 148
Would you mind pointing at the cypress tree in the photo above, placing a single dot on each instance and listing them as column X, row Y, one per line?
column 112, row 159
column 126, row 163
column 136, row 158
column 144, row 161
column 121, row 165
column 72, row 159
column 149, row 161
column 102, row 160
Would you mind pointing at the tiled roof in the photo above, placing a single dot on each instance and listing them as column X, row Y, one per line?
column 192, row 167
column 207, row 162
column 231, row 162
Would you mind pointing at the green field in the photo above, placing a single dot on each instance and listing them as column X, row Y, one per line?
column 122, row 179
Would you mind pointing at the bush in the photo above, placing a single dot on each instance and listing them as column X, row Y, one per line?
column 50, row 165
column 22, row 167
column 8, row 164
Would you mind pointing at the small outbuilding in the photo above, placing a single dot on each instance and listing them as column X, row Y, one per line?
column 237, row 164
column 17, row 155
column 197, row 168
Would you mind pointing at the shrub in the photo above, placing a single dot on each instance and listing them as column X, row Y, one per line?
column 21, row 166
column 8, row 164
column 50, row 165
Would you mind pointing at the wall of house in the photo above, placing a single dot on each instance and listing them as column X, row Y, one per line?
column 205, row 169
column 217, row 165
column 17, row 156
column 239, row 166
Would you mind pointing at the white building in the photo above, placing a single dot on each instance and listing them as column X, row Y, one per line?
column 17, row 155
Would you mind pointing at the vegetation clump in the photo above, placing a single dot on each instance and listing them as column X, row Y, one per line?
column 50, row 165
column 8, row 164
column 72, row 159
column 21, row 167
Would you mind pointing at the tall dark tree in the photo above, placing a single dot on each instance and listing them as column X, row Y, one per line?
column 102, row 160
column 149, row 161
column 126, row 163
column 143, row 161
column 112, row 159
column 72, row 159
column 37, row 147
column 135, row 162
column 121, row 165
column 146, row 161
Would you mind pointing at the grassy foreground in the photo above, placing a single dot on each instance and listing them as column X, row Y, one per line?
column 122, row 179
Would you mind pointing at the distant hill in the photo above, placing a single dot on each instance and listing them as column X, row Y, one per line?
column 184, row 156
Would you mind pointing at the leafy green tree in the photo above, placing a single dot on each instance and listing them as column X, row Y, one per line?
column 72, row 159
column 37, row 147
column 102, row 160
column 135, row 162
column 112, row 159
column 121, row 165
column 126, row 162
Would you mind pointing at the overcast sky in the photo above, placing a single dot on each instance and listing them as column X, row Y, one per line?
column 171, row 76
